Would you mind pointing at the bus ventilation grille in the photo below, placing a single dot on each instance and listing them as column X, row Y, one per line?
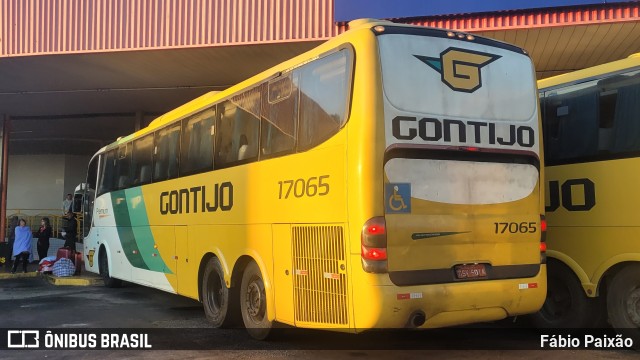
column 320, row 277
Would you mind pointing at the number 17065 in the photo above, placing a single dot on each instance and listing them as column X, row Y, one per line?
column 514, row 227
column 313, row 186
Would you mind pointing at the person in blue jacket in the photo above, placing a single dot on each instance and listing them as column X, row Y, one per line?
column 22, row 246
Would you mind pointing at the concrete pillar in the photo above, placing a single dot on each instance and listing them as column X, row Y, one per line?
column 4, row 156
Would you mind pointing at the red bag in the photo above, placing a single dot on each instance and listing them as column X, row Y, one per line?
column 67, row 253
column 45, row 266
column 79, row 263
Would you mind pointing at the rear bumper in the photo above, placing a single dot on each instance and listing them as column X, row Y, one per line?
column 380, row 304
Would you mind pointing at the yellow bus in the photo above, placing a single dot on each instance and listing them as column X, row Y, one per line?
column 388, row 178
column 592, row 142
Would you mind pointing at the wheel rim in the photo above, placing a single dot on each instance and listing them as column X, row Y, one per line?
column 255, row 301
column 214, row 293
column 633, row 306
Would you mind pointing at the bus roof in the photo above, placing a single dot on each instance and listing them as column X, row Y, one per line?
column 589, row 73
column 213, row 97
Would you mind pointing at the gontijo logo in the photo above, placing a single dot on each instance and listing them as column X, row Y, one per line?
column 460, row 68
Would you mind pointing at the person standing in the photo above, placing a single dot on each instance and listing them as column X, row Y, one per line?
column 67, row 204
column 71, row 231
column 43, row 235
column 22, row 246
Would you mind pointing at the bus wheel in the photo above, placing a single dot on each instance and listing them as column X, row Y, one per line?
column 566, row 305
column 253, row 303
column 104, row 271
column 216, row 297
column 623, row 302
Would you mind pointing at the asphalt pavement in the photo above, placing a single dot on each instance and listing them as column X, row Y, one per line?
column 178, row 327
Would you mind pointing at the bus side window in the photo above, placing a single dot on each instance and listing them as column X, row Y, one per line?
column 107, row 173
column 224, row 133
column 626, row 125
column 141, row 160
column 123, row 166
column 623, row 92
column 279, row 115
column 197, row 143
column 165, row 155
column 238, row 129
column 572, row 122
column 324, row 98
column 89, row 195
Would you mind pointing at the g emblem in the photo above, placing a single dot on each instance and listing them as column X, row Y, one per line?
column 460, row 68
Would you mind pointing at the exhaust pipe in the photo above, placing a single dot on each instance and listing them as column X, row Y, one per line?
column 416, row 319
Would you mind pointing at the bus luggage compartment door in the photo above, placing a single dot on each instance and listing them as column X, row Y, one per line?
column 451, row 220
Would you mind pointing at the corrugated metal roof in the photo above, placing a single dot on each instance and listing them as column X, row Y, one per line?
column 536, row 18
column 32, row 27
column 559, row 39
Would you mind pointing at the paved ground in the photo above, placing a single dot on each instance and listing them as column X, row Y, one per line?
column 33, row 302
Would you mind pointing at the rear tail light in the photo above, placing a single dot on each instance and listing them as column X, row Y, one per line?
column 470, row 148
column 543, row 240
column 374, row 245
column 376, row 254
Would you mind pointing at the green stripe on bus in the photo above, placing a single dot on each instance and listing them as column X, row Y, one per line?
column 125, row 232
column 134, row 232
column 142, row 232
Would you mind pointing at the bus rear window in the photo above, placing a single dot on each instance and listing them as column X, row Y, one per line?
column 418, row 77
column 464, row 182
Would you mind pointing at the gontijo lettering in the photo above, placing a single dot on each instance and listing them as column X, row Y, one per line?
column 429, row 129
column 197, row 199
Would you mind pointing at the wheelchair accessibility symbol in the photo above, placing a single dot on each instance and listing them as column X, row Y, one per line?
column 398, row 198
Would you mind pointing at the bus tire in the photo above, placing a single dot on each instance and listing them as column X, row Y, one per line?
column 566, row 305
column 217, row 299
column 253, row 303
column 104, row 271
column 623, row 303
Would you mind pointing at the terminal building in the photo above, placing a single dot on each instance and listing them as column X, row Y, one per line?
column 76, row 75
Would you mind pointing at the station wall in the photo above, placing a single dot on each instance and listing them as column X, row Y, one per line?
column 38, row 183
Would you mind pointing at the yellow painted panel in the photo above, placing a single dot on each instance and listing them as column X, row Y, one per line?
column 165, row 246
column 283, row 274
column 611, row 227
column 474, row 238
column 187, row 268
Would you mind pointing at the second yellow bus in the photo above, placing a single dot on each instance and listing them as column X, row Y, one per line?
column 591, row 120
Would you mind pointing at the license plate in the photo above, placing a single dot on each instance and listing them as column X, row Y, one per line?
column 470, row 271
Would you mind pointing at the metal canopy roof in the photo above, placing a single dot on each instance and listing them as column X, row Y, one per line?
column 56, row 97
column 154, row 81
column 558, row 50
